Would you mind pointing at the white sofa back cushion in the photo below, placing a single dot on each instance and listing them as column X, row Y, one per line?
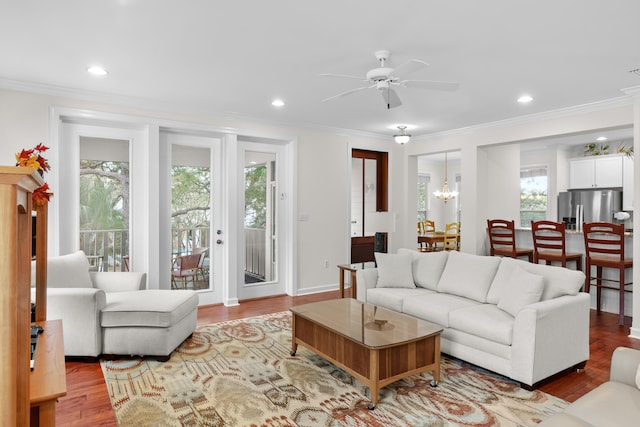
column 427, row 267
column 468, row 276
column 525, row 289
column 394, row 270
column 558, row 281
column 69, row 271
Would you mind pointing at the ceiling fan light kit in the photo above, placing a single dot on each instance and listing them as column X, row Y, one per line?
column 402, row 137
column 384, row 79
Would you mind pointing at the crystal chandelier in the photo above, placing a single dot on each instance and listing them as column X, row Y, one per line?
column 445, row 195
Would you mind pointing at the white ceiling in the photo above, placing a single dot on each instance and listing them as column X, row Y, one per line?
column 232, row 58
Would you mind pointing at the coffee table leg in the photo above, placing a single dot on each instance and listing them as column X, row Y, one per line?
column 436, row 371
column 294, row 343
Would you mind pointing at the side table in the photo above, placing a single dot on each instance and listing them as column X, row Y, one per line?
column 351, row 268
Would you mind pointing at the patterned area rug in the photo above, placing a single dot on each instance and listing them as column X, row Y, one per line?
column 240, row 373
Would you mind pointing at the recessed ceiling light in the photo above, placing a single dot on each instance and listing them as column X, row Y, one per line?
column 525, row 99
column 601, row 138
column 277, row 103
column 97, row 71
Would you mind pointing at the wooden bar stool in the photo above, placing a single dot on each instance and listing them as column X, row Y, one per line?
column 549, row 244
column 604, row 248
column 502, row 240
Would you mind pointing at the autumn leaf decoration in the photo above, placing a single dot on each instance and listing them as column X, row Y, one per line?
column 33, row 158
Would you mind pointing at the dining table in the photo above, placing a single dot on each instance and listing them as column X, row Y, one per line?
column 432, row 238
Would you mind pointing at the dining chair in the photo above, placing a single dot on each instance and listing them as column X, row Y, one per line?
column 604, row 248
column 427, row 226
column 451, row 237
column 502, row 240
column 549, row 244
column 186, row 267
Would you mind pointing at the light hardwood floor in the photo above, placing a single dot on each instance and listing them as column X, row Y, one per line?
column 87, row 400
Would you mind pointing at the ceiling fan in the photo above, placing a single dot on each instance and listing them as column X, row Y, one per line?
column 384, row 79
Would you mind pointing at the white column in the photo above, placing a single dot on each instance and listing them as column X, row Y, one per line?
column 635, row 325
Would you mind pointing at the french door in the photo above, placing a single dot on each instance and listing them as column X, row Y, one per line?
column 238, row 194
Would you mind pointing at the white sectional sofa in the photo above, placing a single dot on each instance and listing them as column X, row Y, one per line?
column 522, row 320
column 113, row 313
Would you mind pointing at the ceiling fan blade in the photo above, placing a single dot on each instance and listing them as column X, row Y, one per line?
column 349, row 92
column 345, row 76
column 409, row 67
column 430, row 84
column 391, row 98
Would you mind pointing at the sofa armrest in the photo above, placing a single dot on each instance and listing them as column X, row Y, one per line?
column 79, row 309
column 366, row 279
column 119, row 281
column 550, row 336
column 624, row 364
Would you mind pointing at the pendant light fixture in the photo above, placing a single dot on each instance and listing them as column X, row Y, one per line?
column 402, row 137
column 445, row 195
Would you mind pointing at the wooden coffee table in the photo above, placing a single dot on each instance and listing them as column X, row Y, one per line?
column 375, row 345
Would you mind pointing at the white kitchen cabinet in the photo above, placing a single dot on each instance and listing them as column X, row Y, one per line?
column 596, row 172
column 627, row 183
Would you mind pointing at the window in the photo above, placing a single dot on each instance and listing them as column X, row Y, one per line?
column 424, row 201
column 533, row 194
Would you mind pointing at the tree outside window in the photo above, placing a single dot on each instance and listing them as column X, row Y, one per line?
column 533, row 195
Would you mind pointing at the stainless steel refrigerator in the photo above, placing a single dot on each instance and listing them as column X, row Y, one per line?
column 578, row 206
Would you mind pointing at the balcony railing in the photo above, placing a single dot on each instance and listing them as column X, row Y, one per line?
column 254, row 253
column 107, row 250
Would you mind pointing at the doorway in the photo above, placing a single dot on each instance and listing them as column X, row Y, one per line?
column 369, row 193
column 262, row 230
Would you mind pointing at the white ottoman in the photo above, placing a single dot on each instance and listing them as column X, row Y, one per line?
column 147, row 323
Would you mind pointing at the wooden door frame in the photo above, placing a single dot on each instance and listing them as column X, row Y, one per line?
column 362, row 247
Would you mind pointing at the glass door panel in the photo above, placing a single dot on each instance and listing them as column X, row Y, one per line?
column 260, row 217
column 190, row 217
column 104, row 203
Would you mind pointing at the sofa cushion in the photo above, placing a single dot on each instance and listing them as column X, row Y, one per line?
column 427, row 267
column 525, row 289
column 435, row 307
column 394, row 270
column 468, row 276
column 485, row 321
column 392, row 298
column 610, row 404
column 154, row 308
column 558, row 281
column 69, row 271
column 638, row 376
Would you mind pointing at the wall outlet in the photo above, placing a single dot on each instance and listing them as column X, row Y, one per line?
column 326, row 263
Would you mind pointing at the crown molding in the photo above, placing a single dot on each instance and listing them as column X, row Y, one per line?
column 99, row 97
column 633, row 90
column 620, row 101
column 132, row 102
